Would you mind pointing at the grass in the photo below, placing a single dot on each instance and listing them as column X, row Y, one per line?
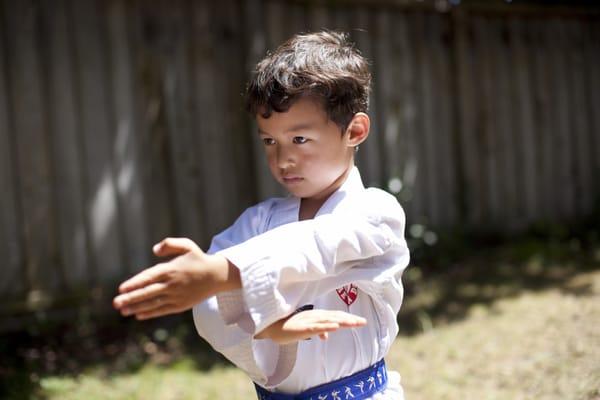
column 512, row 322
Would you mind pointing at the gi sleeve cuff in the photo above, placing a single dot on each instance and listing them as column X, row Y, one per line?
column 259, row 278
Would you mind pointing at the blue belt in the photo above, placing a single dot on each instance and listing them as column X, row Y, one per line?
column 360, row 385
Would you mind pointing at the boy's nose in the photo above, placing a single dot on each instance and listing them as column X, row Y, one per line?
column 285, row 159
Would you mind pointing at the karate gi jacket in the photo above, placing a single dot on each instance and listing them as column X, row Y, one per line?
column 350, row 257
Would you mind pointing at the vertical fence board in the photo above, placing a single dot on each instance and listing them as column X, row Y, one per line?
column 182, row 137
column 415, row 174
column 472, row 211
column 296, row 19
column 101, row 193
column 237, row 168
column 368, row 156
column 579, row 128
column 562, row 145
column 522, row 110
column 593, row 100
column 504, row 118
column 257, row 42
column 317, row 18
column 388, row 110
column 68, row 187
column 489, row 141
column 151, row 118
column 12, row 277
column 443, row 120
column 206, row 113
column 30, row 127
column 275, row 18
column 427, row 157
column 540, row 83
column 403, row 97
column 126, row 146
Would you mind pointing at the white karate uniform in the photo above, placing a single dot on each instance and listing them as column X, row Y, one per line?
column 355, row 246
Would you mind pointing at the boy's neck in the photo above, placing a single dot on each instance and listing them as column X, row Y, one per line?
column 309, row 208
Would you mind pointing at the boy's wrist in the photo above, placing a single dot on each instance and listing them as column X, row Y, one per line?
column 226, row 276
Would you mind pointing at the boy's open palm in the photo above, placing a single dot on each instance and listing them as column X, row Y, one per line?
column 177, row 285
column 306, row 324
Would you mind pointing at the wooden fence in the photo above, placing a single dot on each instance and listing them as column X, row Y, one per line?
column 121, row 122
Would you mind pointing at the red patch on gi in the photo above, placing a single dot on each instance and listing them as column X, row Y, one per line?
column 348, row 293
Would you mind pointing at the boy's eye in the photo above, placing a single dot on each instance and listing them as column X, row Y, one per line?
column 300, row 140
column 268, row 141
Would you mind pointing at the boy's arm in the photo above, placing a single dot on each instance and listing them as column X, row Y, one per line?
column 177, row 285
column 295, row 263
column 305, row 324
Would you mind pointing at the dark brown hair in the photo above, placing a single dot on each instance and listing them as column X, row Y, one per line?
column 323, row 65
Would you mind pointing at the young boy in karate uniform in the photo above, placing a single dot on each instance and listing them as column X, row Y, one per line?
column 324, row 262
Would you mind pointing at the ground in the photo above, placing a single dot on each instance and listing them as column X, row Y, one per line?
column 514, row 322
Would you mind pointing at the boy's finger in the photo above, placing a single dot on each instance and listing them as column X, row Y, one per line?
column 344, row 318
column 157, row 312
column 151, row 292
column 145, row 306
column 173, row 246
column 355, row 321
column 144, row 278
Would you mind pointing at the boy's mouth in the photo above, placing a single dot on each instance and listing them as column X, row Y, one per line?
column 291, row 179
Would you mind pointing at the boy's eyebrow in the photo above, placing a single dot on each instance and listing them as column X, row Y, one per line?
column 295, row 128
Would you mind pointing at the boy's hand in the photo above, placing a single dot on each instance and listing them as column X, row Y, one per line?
column 177, row 285
column 309, row 323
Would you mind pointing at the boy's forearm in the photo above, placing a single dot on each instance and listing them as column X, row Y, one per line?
column 225, row 274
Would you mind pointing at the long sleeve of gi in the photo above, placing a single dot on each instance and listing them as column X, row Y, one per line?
column 289, row 265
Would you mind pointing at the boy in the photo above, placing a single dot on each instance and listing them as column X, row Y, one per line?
column 325, row 261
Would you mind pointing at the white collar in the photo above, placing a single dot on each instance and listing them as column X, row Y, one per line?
column 352, row 184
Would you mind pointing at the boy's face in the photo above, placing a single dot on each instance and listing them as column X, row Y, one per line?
column 306, row 151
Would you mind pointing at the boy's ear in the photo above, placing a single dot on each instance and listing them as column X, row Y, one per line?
column 358, row 129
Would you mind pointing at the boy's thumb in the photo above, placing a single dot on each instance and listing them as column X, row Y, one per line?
column 173, row 246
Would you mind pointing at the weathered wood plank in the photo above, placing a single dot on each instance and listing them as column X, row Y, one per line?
column 206, row 100
column 317, row 16
column 367, row 157
column 126, row 142
column 148, row 48
column 428, row 164
column 66, row 144
column 525, row 146
column 239, row 188
column 421, row 193
column 12, row 279
column 565, row 190
column 389, row 75
column 256, row 44
column 182, row 135
column 404, row 101
column 296, row 19
column 469, row 125
column 503, row 118
column 547, row 200
column 579, row 127
column 211, row 105
column 489, row 145
column 275, row 34
column 101, row 205
column 386, row 136
column 442, row 119
column 593, row 100
column 32, row 147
